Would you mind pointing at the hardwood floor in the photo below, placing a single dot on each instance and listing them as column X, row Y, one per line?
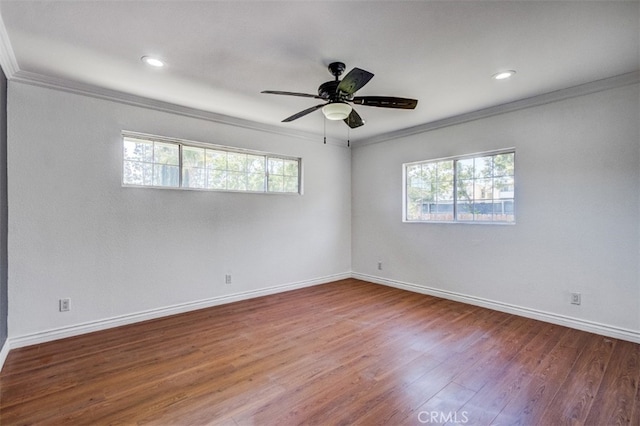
column 348, row 352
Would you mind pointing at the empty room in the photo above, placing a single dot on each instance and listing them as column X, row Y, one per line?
column 319, row 212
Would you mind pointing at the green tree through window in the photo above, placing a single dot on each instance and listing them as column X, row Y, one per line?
column 180, row 165
column 462, row 189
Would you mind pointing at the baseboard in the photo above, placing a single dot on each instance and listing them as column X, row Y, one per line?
column 4, row 352
column 580, row 324
column 75, row 330
column 78, row 329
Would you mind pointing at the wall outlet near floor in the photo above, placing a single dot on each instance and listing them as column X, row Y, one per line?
column 227, row 279
column 379, row 266
column 65, row 305
column 576, row 298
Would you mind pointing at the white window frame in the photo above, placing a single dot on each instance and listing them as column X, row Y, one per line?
column 182, row 143
column 455, row 201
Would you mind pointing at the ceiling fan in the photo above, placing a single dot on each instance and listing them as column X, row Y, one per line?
column 339, row 94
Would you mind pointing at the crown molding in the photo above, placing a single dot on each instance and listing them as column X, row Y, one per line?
column 13, row 73
column 75, row 87
column 8, row 60
column 84, row 89
column 546, row 98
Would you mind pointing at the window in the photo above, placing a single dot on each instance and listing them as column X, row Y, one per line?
column 176, row 164
column 477, row 188
column 283, row 175
column 151, row 163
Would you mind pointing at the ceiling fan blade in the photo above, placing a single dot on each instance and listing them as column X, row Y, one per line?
column 302, row 113
column 303, row 95
column 354, row 80
column 354, row 120
column 385, row 102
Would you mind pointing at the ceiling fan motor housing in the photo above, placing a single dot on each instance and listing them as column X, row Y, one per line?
column 329, row 90
column 336, row 69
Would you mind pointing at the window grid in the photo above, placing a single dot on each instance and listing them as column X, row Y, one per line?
column 471, row 189
column 206, row 168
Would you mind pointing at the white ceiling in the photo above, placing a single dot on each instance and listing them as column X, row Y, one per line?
column 221, row 54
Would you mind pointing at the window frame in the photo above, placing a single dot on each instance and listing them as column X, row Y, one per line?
column 183, row 143
column 455, row 201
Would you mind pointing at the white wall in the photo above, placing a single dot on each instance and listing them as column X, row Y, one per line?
column 75, row 232
column 577, row 206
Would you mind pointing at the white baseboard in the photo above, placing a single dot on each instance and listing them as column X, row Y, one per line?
column 75, row 330
column 580, row 324
column 4, row 352
column 78, row 329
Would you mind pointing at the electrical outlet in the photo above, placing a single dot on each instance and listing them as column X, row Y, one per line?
column 576, row 298
column 379, row 266
column 65, row 305
column 227, row 279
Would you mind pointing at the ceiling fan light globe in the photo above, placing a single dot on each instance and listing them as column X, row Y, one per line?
column 336, row 111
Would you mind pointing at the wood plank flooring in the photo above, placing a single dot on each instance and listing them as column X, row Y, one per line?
column 343, row 353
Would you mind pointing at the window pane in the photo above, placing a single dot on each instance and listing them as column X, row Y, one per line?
column 442, row 211
column 166, row 153
column 445, row 191
column 276, row 183
column 429, row 172
column 483, row 211
column 255, row 164
column 476, row 189
column 509, row 210
column 236, row 181
column 465, row 189
column 236, row 162
column 276, row 166
column 503, row 164
column 164, row 175
column 414, row 207
column 135, row 173
column 255, row 182
column 194, row 177
column 216, row 159
column 465, row 211
column 173, row 164
column 445, row 171
column 290, row 168
column 504, row 187
column 217, row 179
column 415, row 177
column 465, row 168
column 414, row 194
column 192, row 156
column 290, row 184
column 483, row 189
column 483, row 167
column 138, row 150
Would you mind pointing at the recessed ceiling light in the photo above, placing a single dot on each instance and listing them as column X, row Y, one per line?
column 503, row 75
column 154, row 62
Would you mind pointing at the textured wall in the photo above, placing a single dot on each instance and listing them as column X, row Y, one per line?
column 76, row 232
column 577, row 212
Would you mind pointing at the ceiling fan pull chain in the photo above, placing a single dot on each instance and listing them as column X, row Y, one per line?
column 348, row 137
column 324, row 125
